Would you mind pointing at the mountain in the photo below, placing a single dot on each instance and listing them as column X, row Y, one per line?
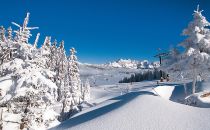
column 113, row 72
column 133, row 64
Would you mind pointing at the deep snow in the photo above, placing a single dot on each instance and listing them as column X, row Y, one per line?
column 142, row 108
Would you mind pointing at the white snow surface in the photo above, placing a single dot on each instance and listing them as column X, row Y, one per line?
column 164, row 91
column 199, row 101
column 104, row 74
column 5, row 85
column 132, row 64
column 139, row 109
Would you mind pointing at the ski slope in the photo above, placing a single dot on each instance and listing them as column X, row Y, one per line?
column 139, row 109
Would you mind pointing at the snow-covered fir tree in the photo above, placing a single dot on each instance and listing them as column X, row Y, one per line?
column 23, row 34
column 61, row 69
column 195, row 60
column 37, row 79
column 36, row 40
column 71, row 87
column 2, row 34
column 9, row 34
column 197, row 32
column 74, row 79
column 86, row 90
column 45, row 51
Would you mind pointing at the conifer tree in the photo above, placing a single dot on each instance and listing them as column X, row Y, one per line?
column 86, row 90
column 196, row 58
column 61, row 69
column 23, row 34
column 36, row 40
column 41, row 77
column 197, row 32
column 74, row 79
column 53, row 56
column 2, row 34
column 196, row 44
column 9, row 34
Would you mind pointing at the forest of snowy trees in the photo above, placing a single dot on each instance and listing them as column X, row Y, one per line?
column 144, row 75
column 44, row 82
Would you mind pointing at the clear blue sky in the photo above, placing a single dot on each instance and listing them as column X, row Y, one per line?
column 105, row 30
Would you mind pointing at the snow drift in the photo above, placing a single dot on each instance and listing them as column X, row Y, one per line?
column 139, row 110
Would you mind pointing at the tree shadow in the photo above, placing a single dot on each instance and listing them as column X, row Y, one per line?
column 178, row 95
column 144, row 87
column 121, row 100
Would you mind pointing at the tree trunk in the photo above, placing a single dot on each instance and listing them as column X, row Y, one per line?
column 194, row 80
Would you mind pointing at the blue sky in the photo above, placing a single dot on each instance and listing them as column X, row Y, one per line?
column 106, row 30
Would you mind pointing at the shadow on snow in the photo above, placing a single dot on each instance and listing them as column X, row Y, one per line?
column 121, row 100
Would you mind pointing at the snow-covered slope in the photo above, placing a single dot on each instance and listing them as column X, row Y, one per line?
column 104, row 75
column 113, row 72
column 123, row 63
column 140, row 109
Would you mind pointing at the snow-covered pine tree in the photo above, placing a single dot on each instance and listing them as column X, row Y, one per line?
column 32, row 92
column 2, row 34
column 74, row 78
column 9, row 34
column 197, row 44
column 39, row 77
column 23, row 49
column 5, row 47
column 63, row 59
column 36, row 40
column 196, row 58
column 61, row 69
column 23, row 34
column 86, row 90
column 197, row 31
column 45, row 51
column 53, row 56
column 71, row 86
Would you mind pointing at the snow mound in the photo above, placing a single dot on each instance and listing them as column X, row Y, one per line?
column 139, row 110
column 164, row 91
column 172, row 92
column 201, row 99
column 177, row 93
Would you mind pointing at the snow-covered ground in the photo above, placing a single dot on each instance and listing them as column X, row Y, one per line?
column 140, row 108
column 127, row 106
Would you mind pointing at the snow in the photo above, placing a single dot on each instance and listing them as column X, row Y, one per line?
column 105, row 75
column 140, row 109
column 11, row 121
column 164, row 91
column 123, row 63
column 198, row 100
column 5, row 85
column 35, row 87
column 132, row 64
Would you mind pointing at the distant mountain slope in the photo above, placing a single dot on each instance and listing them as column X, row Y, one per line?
column 133, row 64
column 113, row 72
